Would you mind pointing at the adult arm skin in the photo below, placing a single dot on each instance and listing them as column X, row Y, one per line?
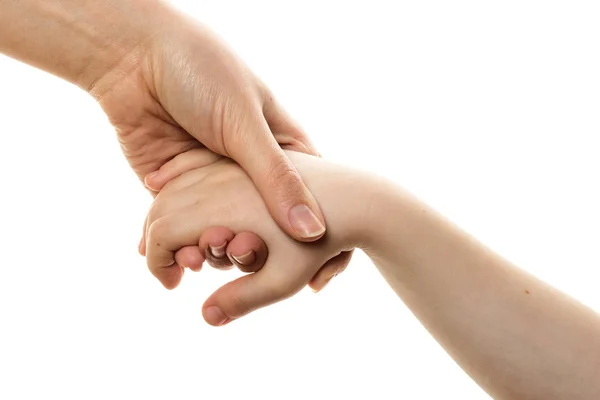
column 77, row 40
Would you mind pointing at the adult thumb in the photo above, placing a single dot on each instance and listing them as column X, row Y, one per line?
column 254, row 291
column 289, row 201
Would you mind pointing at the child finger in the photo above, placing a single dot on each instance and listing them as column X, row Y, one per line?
column 330, row 270
column 190, row 257
column 142, row 245
column 182, row 163
column 165, row 236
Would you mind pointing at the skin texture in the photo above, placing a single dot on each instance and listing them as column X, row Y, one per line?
column 219, row 246
column 178, row 220
column 167, row 84
column 516, row 336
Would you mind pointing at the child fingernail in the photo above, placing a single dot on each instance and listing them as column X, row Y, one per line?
column 215, row 316
column 148, row 179
column 218, row 251
column 245, row 259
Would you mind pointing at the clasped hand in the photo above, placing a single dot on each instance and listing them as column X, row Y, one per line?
column 211, row 211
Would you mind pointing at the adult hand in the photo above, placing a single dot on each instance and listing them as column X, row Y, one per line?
column 187, row 88
column 167, row 84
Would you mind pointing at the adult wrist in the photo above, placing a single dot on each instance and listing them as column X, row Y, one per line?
column 121, row 47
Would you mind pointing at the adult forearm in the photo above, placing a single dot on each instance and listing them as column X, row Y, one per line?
column 516, row 336
column 78, row 40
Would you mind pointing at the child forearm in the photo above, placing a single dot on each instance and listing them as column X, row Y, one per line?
column 516, row 336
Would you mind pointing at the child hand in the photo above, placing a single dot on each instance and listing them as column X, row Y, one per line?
column 225, row 249
column 221, row 194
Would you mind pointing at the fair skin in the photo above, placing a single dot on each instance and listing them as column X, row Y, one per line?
column 168, row 84
column 516, row 336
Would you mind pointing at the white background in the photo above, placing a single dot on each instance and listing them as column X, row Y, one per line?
column 487, row 110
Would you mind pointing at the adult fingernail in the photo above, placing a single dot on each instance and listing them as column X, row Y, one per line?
column 215, row 316
column 305, row 222
column 245, row 259
column 218, row 251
